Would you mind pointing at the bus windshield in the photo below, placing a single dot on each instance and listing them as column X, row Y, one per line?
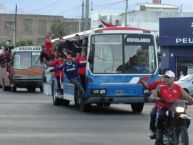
column 25, row 60
column 122, row 53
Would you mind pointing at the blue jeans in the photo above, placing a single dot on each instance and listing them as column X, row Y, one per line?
column 77, row 82
column 161, row 117
column 153, row 119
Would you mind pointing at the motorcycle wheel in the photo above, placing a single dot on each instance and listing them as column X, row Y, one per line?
column 182, row 136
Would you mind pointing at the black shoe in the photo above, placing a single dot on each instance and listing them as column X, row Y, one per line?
column 152, row 135
column 158, row 142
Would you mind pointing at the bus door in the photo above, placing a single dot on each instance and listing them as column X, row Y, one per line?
column 68, row 89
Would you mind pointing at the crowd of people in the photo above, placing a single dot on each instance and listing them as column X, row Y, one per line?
column 68, row 58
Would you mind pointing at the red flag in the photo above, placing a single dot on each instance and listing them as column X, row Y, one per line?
column 107, row 24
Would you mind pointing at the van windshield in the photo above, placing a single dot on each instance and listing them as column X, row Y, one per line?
column 25, row 60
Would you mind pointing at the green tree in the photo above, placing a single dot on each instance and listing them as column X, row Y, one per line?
column 24, row 42
column 58, row 29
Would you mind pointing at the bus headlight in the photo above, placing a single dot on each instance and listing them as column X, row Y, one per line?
column 103, row 92
column 180, row 109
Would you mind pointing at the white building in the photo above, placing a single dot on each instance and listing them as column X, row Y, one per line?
column 147, row 15
column 105, row 15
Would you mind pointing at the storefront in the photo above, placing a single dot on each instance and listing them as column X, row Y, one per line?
column 176, row 42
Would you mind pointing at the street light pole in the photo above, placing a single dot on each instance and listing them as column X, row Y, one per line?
column 15, row 27
column 126, row 9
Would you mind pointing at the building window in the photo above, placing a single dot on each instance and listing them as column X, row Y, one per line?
column 42, row 25
column 28, row 25
column 9, row 24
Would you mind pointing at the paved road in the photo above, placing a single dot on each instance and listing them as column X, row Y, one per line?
column 31, row 119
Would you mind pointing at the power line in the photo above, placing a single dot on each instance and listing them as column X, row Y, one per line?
column 111, row 4
column 50, row 5
column 108, row 3
column 70, row 9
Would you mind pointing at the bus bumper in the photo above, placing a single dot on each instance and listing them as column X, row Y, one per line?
column 117, row 100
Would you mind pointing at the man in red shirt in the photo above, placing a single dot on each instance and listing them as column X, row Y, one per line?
column 48, row 44
column 168, row 92
column 153, row 112
column 56, row 62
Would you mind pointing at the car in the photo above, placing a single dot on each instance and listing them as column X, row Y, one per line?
column 186, row 83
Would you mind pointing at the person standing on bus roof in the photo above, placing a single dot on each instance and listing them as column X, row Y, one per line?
column 77, row 44
column 70, row 69
column 48, row 44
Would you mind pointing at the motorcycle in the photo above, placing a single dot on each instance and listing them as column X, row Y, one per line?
column 176, row 125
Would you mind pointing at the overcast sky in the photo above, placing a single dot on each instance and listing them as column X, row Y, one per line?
column 72, row 8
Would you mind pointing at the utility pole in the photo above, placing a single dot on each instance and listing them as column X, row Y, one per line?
column 15, row 27
column 126, row 9
column 82, row 23
column 87, row 14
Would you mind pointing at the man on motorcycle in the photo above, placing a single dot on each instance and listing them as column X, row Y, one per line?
column 166, row 93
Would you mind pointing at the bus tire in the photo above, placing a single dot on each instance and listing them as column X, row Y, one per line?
column 65, row 102
column 80, row 102
column 56, row 101
column 137, row 107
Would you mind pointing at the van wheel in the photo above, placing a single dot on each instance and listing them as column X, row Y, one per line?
column 31, row 89
column 5, row 88
column 137, row 107
column 41, row 89
column 13, row 88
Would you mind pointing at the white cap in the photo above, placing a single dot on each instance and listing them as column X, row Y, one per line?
column 170, row 74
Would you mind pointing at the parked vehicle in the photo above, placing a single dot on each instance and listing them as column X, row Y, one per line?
column 186, row 83
column 22, row 70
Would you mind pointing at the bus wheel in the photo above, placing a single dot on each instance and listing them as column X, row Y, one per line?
column 56, row 101
column 137, row 107
column 80, row 102
column 65, row 102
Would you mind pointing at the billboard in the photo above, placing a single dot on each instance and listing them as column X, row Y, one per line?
column 176, row 31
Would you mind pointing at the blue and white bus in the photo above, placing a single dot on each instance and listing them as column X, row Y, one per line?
column 108, row 49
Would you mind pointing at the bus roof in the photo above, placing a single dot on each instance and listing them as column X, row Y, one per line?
column 115, row 29
column 124, row 28
column 27, row 48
